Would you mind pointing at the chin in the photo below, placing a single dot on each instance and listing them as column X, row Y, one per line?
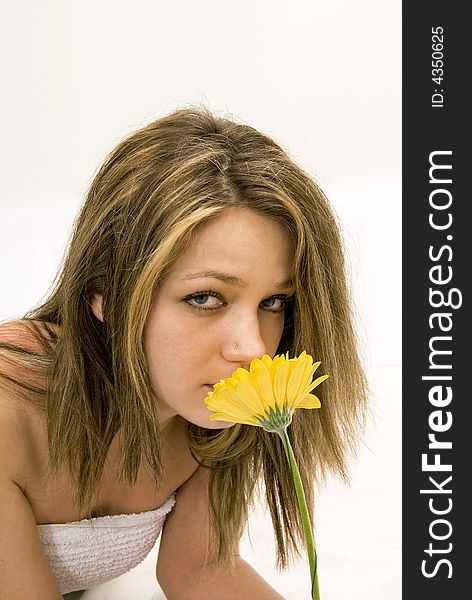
column 202, row 420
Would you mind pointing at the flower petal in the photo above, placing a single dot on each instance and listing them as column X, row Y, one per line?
column 229, row 408
column 280, row 383
column 271, row 389
column 267, row 393
column 250, row 400
column 317, row 382
column 266, row 360
column 228, row 419
column 309, row 401
column 297, row 383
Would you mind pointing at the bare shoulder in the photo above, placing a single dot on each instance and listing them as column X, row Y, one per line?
column 24, row 333
column 25, row 572
column 15, row 437
column 20, row 349
column 18, row 418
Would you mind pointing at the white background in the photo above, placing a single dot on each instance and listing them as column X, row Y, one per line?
column 322, row 78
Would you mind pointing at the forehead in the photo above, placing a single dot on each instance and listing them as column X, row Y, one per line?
column 239, row 241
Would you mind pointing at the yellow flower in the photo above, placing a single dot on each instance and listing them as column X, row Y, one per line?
column 266, row 395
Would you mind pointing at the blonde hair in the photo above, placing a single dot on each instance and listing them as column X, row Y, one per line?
column 152, row 195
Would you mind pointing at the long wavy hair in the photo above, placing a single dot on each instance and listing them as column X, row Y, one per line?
column 151, row 196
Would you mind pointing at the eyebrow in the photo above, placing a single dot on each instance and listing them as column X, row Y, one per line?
column 232, row 280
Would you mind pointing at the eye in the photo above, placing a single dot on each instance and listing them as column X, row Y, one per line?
column 276, row 303
column 199, row 300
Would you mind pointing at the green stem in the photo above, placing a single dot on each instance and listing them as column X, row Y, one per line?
column 310, row 544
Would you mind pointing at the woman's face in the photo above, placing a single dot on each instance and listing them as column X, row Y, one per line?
column 221, row 305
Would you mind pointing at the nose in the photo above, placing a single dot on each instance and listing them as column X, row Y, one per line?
column 243, row 342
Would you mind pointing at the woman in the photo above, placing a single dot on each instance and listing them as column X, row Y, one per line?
column 200, row 246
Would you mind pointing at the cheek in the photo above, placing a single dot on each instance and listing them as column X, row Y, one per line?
column 271, row 332
column 173, row 345
column 161, row 347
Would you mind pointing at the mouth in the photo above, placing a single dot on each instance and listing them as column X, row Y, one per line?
column 209, row 385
